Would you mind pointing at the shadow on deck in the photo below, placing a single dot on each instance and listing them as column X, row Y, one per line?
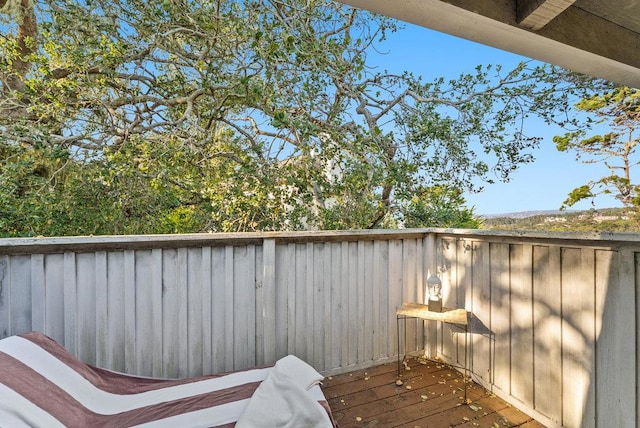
column 432, row 395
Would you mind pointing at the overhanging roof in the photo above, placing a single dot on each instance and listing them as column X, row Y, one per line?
column 595, row 37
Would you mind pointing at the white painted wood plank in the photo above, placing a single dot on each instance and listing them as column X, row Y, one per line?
column 170, row 324
column 115, row 313
column 54, row 282
column 377, row 289
column 182, row 302
column 300, row 324
column 522, row 318
column 219, row 308
column 144, row 326
column 547, row 323
column 229, row 327
column 70, row 305
column 337, row 287
column 86, row 307
column 421, row 264
column 368, row 301
column 5, row 298
column 318, row 302
column 260, row 310
column 250, row 289
column 292, row 298
column 20, row 302
column 464, row 252
column 433, row 330
column 155, row 305
column 481, row 309
column 308, row 291
column 102, row 309
column 130, row 356
column 344, row 302
column 395, row 296
column 578, row 337
column 327, row 293
column 362, row 335
column 194, row 311
column 448, row 348
column 353, row 320
column 38, row 296
column 387, row 312
column 281, row 284
column 408, row 292
column 615, row 349
column 207, row 316
column 500, row 316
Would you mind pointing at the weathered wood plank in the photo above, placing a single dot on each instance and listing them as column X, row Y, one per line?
column 130, row 357
column 547, row 316
column 337, row 311
column 268, row 305
column 378, row 313
column 155, row 303
column 366, row 260
column 447, row 256
column 219, row 307
column 102, row 308
column 328, row 291
column 38, row 293
column 170, row 327
column 5, row 293
column 194, row 311
column 144, row 326
column 615, row 347
column 229, row 330
column 86, row 307
column 318, row 301
column 396, row 294
column 521, row 323
column 480, row 327
column 500, row 316
column 54, row 300
column 464, row 272
column 70, row 303
column 578, row 337
column 115, row 314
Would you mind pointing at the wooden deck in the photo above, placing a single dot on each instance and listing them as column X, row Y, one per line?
column 432, row 395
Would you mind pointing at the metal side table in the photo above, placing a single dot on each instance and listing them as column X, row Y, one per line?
column 457, row 317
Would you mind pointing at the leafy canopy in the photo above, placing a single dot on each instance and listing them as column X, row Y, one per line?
column 618, row 112
column 217, row 115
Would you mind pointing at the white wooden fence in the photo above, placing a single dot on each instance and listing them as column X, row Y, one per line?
column 554, row 316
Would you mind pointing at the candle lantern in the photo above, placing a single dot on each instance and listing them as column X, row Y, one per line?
column 434, row 290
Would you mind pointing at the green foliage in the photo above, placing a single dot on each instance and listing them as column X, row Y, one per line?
column 440, row 206
column 619, row 109
column 174, row 116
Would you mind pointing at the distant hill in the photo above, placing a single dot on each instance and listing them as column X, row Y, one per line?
column 525, row 214
column 596, row 220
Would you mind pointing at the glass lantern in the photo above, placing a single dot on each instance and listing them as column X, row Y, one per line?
column 434, row 291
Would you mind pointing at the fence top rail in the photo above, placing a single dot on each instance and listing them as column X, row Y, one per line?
column 45, row 245
column 137, row 242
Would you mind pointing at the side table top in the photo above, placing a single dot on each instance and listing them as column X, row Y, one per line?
column 418, row 310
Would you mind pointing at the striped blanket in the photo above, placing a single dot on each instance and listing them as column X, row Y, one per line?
column 42, row 385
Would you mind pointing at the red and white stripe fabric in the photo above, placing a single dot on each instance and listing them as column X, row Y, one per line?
column 42, row 385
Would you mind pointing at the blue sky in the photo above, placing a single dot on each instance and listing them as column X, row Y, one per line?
column 541, row 185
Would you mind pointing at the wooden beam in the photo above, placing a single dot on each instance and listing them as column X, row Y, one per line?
column 535, row 14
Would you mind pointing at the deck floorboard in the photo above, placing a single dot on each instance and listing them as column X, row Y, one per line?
column 432, row 395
